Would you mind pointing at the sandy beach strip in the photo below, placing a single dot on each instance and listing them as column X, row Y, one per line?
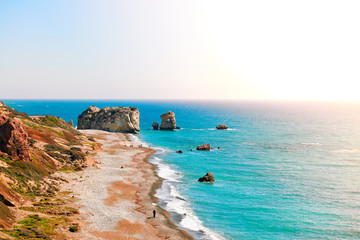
column 116, row 198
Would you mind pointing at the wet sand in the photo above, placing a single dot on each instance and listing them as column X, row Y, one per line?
column 116, row 198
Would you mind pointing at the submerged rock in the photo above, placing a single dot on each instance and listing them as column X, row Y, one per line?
column 168, row 121
column 222, row 127
column 204, row 147
column 113, row 119
column 209, row 177
column 155, row 126
column 13, row 138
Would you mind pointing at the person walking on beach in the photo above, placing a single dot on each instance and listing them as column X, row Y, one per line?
column 154, row 213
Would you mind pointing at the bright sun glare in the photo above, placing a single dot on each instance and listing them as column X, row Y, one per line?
column 289, row 50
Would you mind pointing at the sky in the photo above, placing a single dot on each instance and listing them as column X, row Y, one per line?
column 188, row 49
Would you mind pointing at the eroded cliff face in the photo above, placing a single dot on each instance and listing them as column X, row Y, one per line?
column 113, row 119
column 13, row 138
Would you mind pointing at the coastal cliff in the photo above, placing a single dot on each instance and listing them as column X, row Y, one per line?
column 112, row 119
column 32, row 150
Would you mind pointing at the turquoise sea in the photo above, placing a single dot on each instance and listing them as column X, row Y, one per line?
column 285, row 170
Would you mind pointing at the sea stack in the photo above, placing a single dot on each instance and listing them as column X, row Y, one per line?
column 209, row 177
column 155, row 126
column 112, row 119
column 221, row 127
column 168, row 121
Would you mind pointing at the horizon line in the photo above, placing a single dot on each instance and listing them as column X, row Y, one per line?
column 177, row 100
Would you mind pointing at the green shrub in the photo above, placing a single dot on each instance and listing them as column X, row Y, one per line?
column 52, row 121
column 22, row 173
column 74, row 228
column 77, row 155
column 56, row 148
column 4, row 158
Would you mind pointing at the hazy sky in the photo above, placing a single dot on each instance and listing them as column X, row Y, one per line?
column 180, row 49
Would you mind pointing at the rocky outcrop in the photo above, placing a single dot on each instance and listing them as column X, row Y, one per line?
column 204, row 147
column 113, row 119
column 221, row 127
column 13, row 138
column 155, row 126
column 209, row 177
column 2, row 104
column 168, row 121
column 9, row 197
column 71, row 123
column 87, row 119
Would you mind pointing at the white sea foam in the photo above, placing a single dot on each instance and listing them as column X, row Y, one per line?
column 172, row 201
column 137, row 140
column 347, row 150
column 311, row 144
column 164, row 171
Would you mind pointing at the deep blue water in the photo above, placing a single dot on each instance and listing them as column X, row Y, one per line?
column 284, row 170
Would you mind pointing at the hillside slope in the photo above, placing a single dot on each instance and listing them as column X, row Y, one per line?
column 32, row 149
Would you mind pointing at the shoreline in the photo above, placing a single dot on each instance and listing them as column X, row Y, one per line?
column 116, row 198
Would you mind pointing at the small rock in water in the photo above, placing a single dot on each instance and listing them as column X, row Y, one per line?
column 219, row 147
column 209, row 177
column 221, row 127
column 180, row 151
column 204, row 147
column 155, row 126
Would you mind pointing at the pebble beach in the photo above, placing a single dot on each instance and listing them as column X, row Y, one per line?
column 116, row 197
